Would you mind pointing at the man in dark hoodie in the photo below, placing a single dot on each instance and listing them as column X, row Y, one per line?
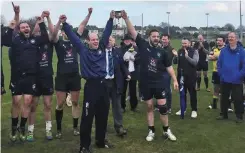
column 231, row 69
column 130, row 60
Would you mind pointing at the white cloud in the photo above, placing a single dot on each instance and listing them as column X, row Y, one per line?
column 232, row 6
column 219, row 7
column 176, row 7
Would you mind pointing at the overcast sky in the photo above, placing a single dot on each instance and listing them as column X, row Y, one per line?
column 189, row 13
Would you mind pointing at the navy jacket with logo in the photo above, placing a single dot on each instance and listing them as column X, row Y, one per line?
column 92, row 61
column 24, row 53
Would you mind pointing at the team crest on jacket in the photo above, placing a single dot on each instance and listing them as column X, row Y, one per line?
column 34, row 86
column 44, row 56
column 46, row 46
column 33, row 41
column 99, row 51
column 158, row 54
column 153, row 62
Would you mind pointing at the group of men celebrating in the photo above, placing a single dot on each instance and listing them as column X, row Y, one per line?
column 107, row 70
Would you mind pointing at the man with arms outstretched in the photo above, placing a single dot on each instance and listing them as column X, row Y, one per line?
column 93, row 70
column 44, row 82
column 24, row 68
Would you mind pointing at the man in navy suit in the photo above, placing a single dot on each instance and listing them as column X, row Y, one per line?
column 116, row 73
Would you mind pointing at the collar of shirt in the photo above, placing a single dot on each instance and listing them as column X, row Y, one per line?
column 108, row 49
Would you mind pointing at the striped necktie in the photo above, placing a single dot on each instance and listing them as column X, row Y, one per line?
column 111, row 66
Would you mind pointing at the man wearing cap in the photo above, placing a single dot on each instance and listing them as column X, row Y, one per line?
column 129, row 52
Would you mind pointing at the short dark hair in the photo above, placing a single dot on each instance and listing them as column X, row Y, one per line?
column 165, row 35
column 185, row 39
column 212, row 44
column 222, row 37
column 196, row 45
column 151, row 31
column 85, row 33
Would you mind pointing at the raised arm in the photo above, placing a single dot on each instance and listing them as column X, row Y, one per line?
column 44, row 34
column 108, row 29
column 130, row 26
column 70, row 34
column 7, row 36
column 16, row 13
column 55, row 37
column 84, row 22
column 50, row 24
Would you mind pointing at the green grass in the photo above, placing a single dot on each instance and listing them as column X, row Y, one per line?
column 202, row 135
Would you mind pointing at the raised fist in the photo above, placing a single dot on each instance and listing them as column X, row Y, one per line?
column 124, row 15
column 63, row 18
column 39, row 19
column 12, row 24
column 112, row 14
column 90, row 10
column 45, row 14
column 16, row 8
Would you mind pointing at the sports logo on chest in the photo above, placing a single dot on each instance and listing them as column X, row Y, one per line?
column 69, row 52
column 158, row 55
column 44, row 56
column 45, row 47
column 153, row 62
column 32, row 41
column 99, row 52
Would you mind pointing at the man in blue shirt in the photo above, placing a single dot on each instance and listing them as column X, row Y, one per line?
column 93, row 70
column 231, row 69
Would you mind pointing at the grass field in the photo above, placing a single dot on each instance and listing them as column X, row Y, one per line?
column 201, row 135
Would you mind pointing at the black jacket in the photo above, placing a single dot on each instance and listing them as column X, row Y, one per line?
column 183, row 65
column 120, row 70
column 24, row 52
column 135, row 74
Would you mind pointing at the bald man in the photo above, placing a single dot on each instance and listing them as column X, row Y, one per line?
column 93, row 69
column 202, row 66
column 231, row 69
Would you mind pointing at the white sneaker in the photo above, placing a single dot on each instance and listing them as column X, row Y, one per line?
column 230, row 110
column 150, row 136
column 169, row 135
column 68, row 100
column 179, row 113
column 193, row 114
column 210, row 107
